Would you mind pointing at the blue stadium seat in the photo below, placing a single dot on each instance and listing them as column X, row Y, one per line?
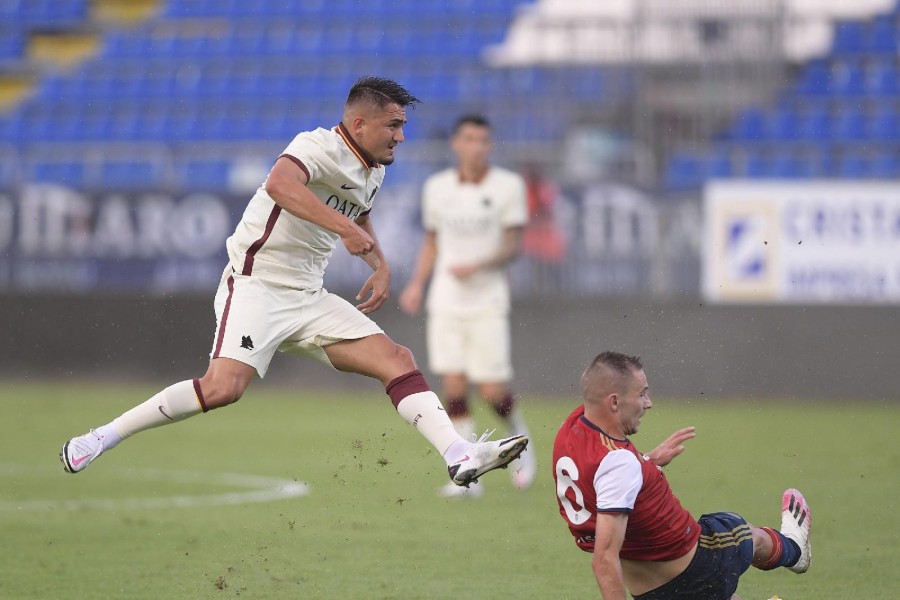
column 884, row 125
column 814, row 78
column 8, row 133
column 790, row 165
column 849, row 126
column 43, row 13
column 849, row 37
column 247, row 41
column 782, row 124
column 847, row 78
column 124, row 125
column 885, row 165
column 94, row 126
column 183, row 122
column 719, row 165
column 853, row 166
column 399, row 41
column 128, row 174
column 152, row 123
column 684, row 171
column 882, row 78
column 815, row 125
column 749, row 125
column 757, row 166
column 207, row 174
column 309, row 40
column 241, row 121
column 339, row 38
column 883, row 37
column 212, row 123
column 12, row 43
column 70, row 173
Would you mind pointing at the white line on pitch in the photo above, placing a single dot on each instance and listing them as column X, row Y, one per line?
column 261, row 489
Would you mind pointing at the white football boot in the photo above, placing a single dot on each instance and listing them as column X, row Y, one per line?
column 796, row 522
column 81, row 451
column 486, row 456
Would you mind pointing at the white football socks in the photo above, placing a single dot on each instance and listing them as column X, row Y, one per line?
column 175, row 403
column 423, row 410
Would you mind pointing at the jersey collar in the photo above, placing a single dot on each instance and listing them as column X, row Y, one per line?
column 361, row 154
column 481, row 177
column 594, row 427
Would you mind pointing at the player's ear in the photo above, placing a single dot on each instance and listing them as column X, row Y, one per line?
column 357, row 123
column 613, row 400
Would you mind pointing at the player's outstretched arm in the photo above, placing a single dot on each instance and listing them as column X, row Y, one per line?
column 411, row 296
column 672, row 447
column 286, row 185
column 608, row 540
column 377, row 288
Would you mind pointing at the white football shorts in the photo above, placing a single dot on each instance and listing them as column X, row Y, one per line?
column 478, row 347
column 256, row 317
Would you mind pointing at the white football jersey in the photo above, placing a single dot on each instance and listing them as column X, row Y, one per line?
column 274, row 244
column 469, row 220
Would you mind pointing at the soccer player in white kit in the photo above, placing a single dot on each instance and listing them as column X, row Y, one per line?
column 319, row 191
column 473, row 216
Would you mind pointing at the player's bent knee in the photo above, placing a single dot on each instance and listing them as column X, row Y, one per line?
column 222, row 389
column 405, row 358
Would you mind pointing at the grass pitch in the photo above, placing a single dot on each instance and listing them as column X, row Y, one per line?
column 372, row 526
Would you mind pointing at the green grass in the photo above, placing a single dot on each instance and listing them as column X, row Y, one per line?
column 372, row 526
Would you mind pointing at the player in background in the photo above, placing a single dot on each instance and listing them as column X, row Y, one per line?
column 319, row 192
column 618, row 505
column 473, row 216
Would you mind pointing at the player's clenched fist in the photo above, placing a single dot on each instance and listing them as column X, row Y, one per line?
column 357, row 241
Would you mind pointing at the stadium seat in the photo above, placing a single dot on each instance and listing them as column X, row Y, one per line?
column 749, row 126
column 719, row 165
column 882, row 38
column 853, row 166
column 885, row 165
column 70, row 173
column 128, row 174
column 10, row 127
column 849, row 126
column 814, row 78
column 847, row 78
column 782, row 124
column 757, row 166
column 309, row 40
column 12, row 44
column 849, row 37
column 790, row 165
column 207, row 174
column 884, row 125
column 684, row 172
column 43, row 13
column 815, row 125
column 882, row 78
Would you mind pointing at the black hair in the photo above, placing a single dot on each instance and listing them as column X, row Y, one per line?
column 471, row 119
column 380, row 92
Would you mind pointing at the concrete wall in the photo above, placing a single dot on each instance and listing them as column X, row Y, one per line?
column 689, row 350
